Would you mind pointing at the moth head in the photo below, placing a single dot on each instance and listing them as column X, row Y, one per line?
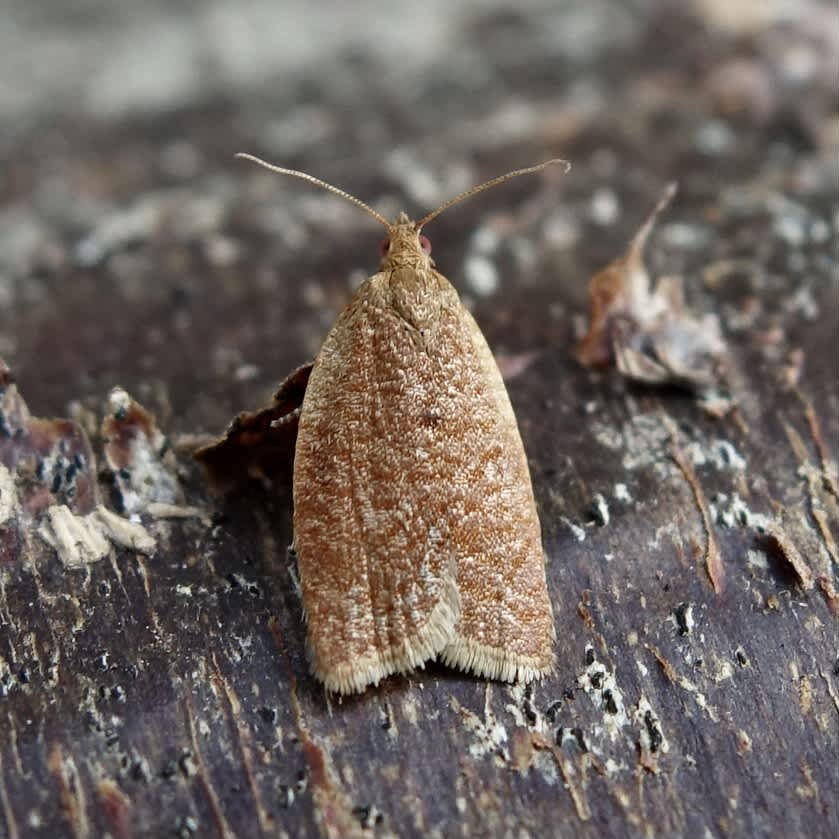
column 405, row 245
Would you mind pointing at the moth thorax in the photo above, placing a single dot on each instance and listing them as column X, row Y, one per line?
column 415, row 296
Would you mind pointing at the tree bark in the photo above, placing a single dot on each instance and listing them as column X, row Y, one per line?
column 153, row 679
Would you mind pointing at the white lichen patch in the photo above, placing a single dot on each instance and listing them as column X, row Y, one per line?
column 725, row 456
column 81, row 540
column 721, row 454
column 239, row 650
column 689, row 619
column 579, row 532
column 813, row 625
column 600, row 508
column 646, row 443
column 696, row 453
column 8, row 495
column 803, row 302
column 489, row 736
column 691, row 688
column 410, row 709
column 148, row 478
column 734, row 512
column 757, row 559
column 545, row 764
column 519, row 693
column 484, row 240
column 722, row 670
column 613, row 766
column 643, row 439
column 560, row 230
column 600, row 685
column 670, row 530
column 700, row 698
column 683, row 618
column 607, row 435
column 621, row 493
column 650, row 732
column 534, row 721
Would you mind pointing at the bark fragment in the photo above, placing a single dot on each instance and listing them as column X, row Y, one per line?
column 645, row 331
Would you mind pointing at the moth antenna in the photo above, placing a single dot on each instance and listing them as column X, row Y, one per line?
column 294, row 173
column 488, row 185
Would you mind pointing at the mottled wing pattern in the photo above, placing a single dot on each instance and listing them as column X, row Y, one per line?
column 415, row 526
column 506, row 628
column 376, row 560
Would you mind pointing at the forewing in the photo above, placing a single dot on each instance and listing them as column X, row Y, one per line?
column 415, row 525
column 375, row 554
column 506, row 628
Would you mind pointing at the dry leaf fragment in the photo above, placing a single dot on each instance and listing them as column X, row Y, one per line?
column 259, row 443
column 647, row 333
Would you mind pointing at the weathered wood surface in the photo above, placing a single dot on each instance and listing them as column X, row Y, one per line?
column 167, row 693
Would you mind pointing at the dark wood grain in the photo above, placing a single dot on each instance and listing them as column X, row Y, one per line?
column 167, row 693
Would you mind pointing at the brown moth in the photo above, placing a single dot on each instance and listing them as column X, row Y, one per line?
column 415, row 524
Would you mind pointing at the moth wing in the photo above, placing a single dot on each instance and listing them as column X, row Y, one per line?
column 376, row 557
column 506, row 628
column 415, row 523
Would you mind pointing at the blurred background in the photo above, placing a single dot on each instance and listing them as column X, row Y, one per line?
column 135, row 250
column 169, row 694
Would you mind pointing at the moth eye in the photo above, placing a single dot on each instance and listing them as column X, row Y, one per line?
column 384, row 247
column 425, row 244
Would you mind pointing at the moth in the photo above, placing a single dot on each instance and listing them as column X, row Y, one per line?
column 415, row 525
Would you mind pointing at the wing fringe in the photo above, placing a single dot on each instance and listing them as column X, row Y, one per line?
column 413, row 652
column 494, row 662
